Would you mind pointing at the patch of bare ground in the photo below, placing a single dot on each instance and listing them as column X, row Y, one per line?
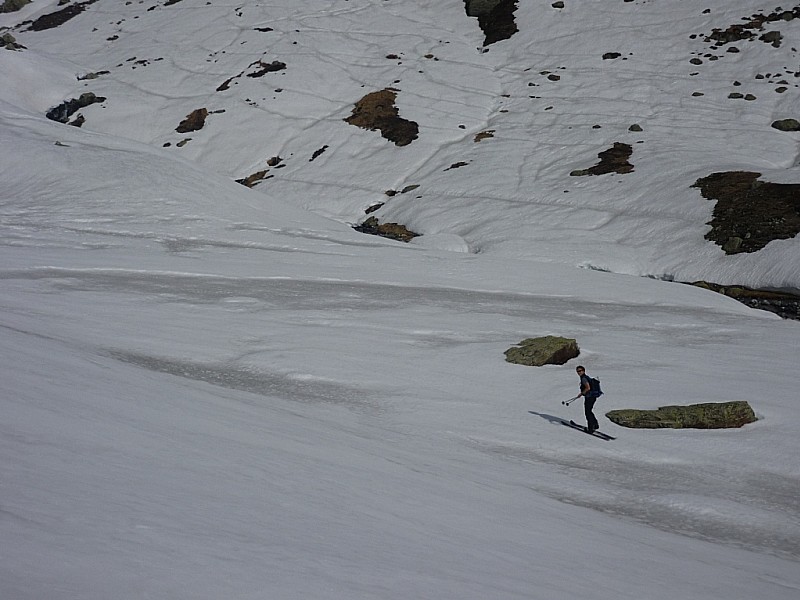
column 393, row 231
column 376, row 111
column 54, row 19
column 613, row 160
column 749, row 213
column 495, row 18
column 194, row 121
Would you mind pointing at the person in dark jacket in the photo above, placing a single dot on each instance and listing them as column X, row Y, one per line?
column 589, row 398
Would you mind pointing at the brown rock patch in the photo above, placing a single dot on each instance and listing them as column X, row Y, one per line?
column 194, row 121
column 376, row 111
column 394, row 231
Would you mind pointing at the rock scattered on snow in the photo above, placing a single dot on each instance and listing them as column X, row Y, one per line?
column 712, row 415
column 194, row 121
column 547, row 350
column 393, row 231
column 66, row 109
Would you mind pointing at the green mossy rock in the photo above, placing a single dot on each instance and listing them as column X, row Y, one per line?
column 547, row 350
column 713, row 415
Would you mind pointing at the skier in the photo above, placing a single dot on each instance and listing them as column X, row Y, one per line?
column 589, row 398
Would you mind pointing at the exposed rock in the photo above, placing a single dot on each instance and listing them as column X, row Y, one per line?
column 786, row 125
column 495, row 18
column 13, row 5
column 547, row 350
column 318, row 153
column 484, row 135
column 93, row 75
column 376, row 111
column 750, row 213
column 713, row 415
column 613, row 160
column 194, row 121
column 9, row 42
column 66, row 109
column 54, row 19
column 388, row 230
column 785, row 304
column 263, row 68
column 746, row 31
column 254, row 178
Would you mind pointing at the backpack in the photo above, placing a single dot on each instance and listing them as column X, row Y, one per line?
column 594, row 387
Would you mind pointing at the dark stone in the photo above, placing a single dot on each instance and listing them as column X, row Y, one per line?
column 786, row 125
column 54, row 19
column 495, row 18
column 66, row 109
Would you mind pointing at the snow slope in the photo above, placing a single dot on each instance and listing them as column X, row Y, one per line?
column 212, row 391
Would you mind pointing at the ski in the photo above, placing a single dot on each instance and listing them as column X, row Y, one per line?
column 597, row 434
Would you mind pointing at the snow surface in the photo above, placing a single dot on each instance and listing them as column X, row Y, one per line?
column 217, row 392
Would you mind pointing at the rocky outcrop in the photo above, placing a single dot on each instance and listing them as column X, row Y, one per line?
column 194, row 121
column 785, row 304
column 54, row 19
column 9, row 42
column 613, row 160
column 393, row 231
column 547, row 350
column 376, row 111
column 714, row 415
column 495, row 18
column 13, row 5
column 66, row 109
column 750, row 213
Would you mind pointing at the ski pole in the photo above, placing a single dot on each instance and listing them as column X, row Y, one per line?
column 570, row 401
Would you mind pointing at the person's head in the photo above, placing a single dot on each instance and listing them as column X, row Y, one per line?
column 580, row 370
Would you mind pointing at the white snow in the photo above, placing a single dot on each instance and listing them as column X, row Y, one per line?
column 216, row 392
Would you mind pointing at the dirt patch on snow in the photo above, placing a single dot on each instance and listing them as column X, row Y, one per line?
column 613, row 160
column 393, row 231
column 749, row 213
column 376, row 111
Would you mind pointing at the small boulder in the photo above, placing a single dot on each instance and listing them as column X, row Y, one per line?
column 786, row 125
column 713, row 415
column 547, row 350
column 393, row 231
